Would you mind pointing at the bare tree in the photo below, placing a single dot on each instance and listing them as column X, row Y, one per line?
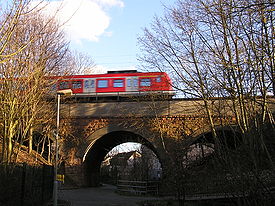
column 223, row 49
column 9, row 19
column 82, row 63
column 25, row 78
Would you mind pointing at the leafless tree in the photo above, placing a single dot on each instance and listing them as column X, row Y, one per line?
column 9, row 19
column 82, row 63
column 39, row 50
column 225, row 49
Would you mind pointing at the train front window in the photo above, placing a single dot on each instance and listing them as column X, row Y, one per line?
column 118, row 83
column 102, row 83
column 64, row 85
column 76, row 85
column 145, row 82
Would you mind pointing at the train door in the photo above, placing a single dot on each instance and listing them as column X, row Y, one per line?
column 89, row 86
column 132, row 84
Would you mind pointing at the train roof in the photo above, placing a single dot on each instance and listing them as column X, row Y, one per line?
column 122, row 71
column 113, row 75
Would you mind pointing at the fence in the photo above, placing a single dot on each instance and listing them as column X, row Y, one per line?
column 138, row 187
column 23, row 185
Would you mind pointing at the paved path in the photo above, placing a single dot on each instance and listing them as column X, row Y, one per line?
column 100, row 196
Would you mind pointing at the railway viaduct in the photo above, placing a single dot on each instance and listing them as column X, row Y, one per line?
column 95, row 128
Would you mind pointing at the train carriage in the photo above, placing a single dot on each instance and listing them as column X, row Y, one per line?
column 117, row 83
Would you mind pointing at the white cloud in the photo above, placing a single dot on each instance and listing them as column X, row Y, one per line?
column 84, row 19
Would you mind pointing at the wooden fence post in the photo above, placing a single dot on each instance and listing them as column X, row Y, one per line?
column 43, row 183
column 23, row 184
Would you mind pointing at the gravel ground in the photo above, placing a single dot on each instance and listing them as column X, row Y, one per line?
column 100, row 196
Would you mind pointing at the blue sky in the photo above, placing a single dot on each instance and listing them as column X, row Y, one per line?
column 107, row 30
column 119, row 50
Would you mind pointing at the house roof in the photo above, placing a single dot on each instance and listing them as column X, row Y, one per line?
column 121, row 158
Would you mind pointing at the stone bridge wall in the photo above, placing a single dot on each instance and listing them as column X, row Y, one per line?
column 89, row 122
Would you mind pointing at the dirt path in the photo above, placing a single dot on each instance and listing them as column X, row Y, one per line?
column 100, row 196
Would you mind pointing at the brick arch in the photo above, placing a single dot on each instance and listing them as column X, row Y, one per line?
column 101, row 142
column 228, row 131
column 92, row 138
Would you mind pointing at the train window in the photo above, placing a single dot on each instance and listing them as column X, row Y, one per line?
column 118, row 83
column 158, row 79
column 129, row 82
column 76, row 85
column 135, row 83
column 102, row 83
column 145, row 82
column 86, row 84
column 92, row 83
column 53, row 87
column 64, row 85
column 89, row 84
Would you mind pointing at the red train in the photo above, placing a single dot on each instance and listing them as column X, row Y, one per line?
column 117, row 83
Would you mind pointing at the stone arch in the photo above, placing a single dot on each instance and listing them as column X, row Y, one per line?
column 203, row 145
column 228, row 135
column 101, row 142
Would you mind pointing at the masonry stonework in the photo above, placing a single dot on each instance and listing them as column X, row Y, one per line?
column 91, row 130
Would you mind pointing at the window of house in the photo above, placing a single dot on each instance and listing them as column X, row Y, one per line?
column 145, row 82
column 102, row 83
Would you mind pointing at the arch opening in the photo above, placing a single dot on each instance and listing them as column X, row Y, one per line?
column 102, row 146
column 205, row 146
column 226, row 138
column 132, row 162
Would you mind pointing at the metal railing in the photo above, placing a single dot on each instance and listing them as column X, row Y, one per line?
column 138, row 187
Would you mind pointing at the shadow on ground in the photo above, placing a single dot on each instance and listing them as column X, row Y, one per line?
column 98, row 196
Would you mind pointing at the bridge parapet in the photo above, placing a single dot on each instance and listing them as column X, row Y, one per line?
column 147, row 108
column 193, row 107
